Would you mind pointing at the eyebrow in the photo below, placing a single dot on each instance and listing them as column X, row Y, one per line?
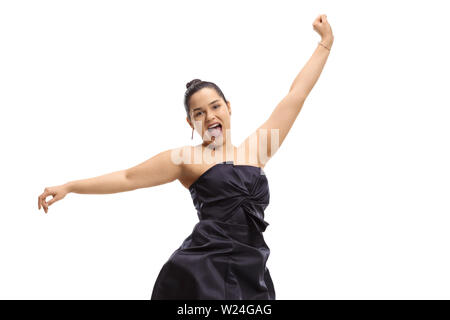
column 208, row 104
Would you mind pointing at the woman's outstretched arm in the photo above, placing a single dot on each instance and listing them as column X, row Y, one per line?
column 282, row 118
column 157, row 170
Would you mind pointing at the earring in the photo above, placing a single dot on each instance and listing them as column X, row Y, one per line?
column 192, row 134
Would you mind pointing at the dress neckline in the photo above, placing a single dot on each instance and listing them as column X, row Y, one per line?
column 221, row 163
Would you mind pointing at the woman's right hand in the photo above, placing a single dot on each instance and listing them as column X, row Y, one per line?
column 58, row 193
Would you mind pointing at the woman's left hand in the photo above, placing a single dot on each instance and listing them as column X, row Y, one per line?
column 323, row 28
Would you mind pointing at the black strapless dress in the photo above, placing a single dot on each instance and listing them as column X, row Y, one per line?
column 225, row 256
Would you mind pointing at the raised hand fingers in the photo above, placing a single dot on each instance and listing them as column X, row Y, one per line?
column 317, row 20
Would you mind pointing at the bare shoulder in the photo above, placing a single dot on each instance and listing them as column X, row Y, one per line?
column 249, row 152
column 191, row 170
column 184, row 156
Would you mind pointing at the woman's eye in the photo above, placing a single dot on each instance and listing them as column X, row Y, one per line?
column 200, row 112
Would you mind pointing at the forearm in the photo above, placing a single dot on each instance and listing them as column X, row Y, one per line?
column 308, row 76
column 109, row 183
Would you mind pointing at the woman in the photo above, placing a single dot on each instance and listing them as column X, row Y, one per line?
column 225, row 256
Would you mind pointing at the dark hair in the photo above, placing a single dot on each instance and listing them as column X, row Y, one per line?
column 195, row 85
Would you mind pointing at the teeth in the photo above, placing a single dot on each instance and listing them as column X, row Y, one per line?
column 216, row 125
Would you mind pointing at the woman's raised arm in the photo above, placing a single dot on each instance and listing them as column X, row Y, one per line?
column 283, row 116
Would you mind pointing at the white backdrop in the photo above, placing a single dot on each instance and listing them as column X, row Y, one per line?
column 359, row 189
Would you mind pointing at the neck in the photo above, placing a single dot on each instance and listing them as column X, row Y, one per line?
column 220, row 147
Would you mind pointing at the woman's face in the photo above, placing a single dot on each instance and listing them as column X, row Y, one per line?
column 208, row 108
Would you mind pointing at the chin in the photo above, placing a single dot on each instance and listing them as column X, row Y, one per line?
column 217, row 139
column 218, row 142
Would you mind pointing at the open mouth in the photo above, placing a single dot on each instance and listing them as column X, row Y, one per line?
column 215, row 130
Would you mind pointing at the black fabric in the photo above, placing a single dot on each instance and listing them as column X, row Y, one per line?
column 225, row 256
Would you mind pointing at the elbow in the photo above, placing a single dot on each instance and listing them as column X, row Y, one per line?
column 298, row 94
column 128, row 181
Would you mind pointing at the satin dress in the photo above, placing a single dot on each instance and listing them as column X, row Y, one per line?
column 224, row 258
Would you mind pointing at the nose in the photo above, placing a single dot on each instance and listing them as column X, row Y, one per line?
column 210, row 117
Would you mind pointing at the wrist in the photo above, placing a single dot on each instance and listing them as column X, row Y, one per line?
column 328, row 41
column 68, row 186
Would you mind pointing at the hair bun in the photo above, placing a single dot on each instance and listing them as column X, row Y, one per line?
column 192, row 82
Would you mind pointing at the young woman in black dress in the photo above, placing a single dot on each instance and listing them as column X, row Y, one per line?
column 225, row 255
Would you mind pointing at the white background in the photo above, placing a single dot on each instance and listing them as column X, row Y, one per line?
column 359, row 189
